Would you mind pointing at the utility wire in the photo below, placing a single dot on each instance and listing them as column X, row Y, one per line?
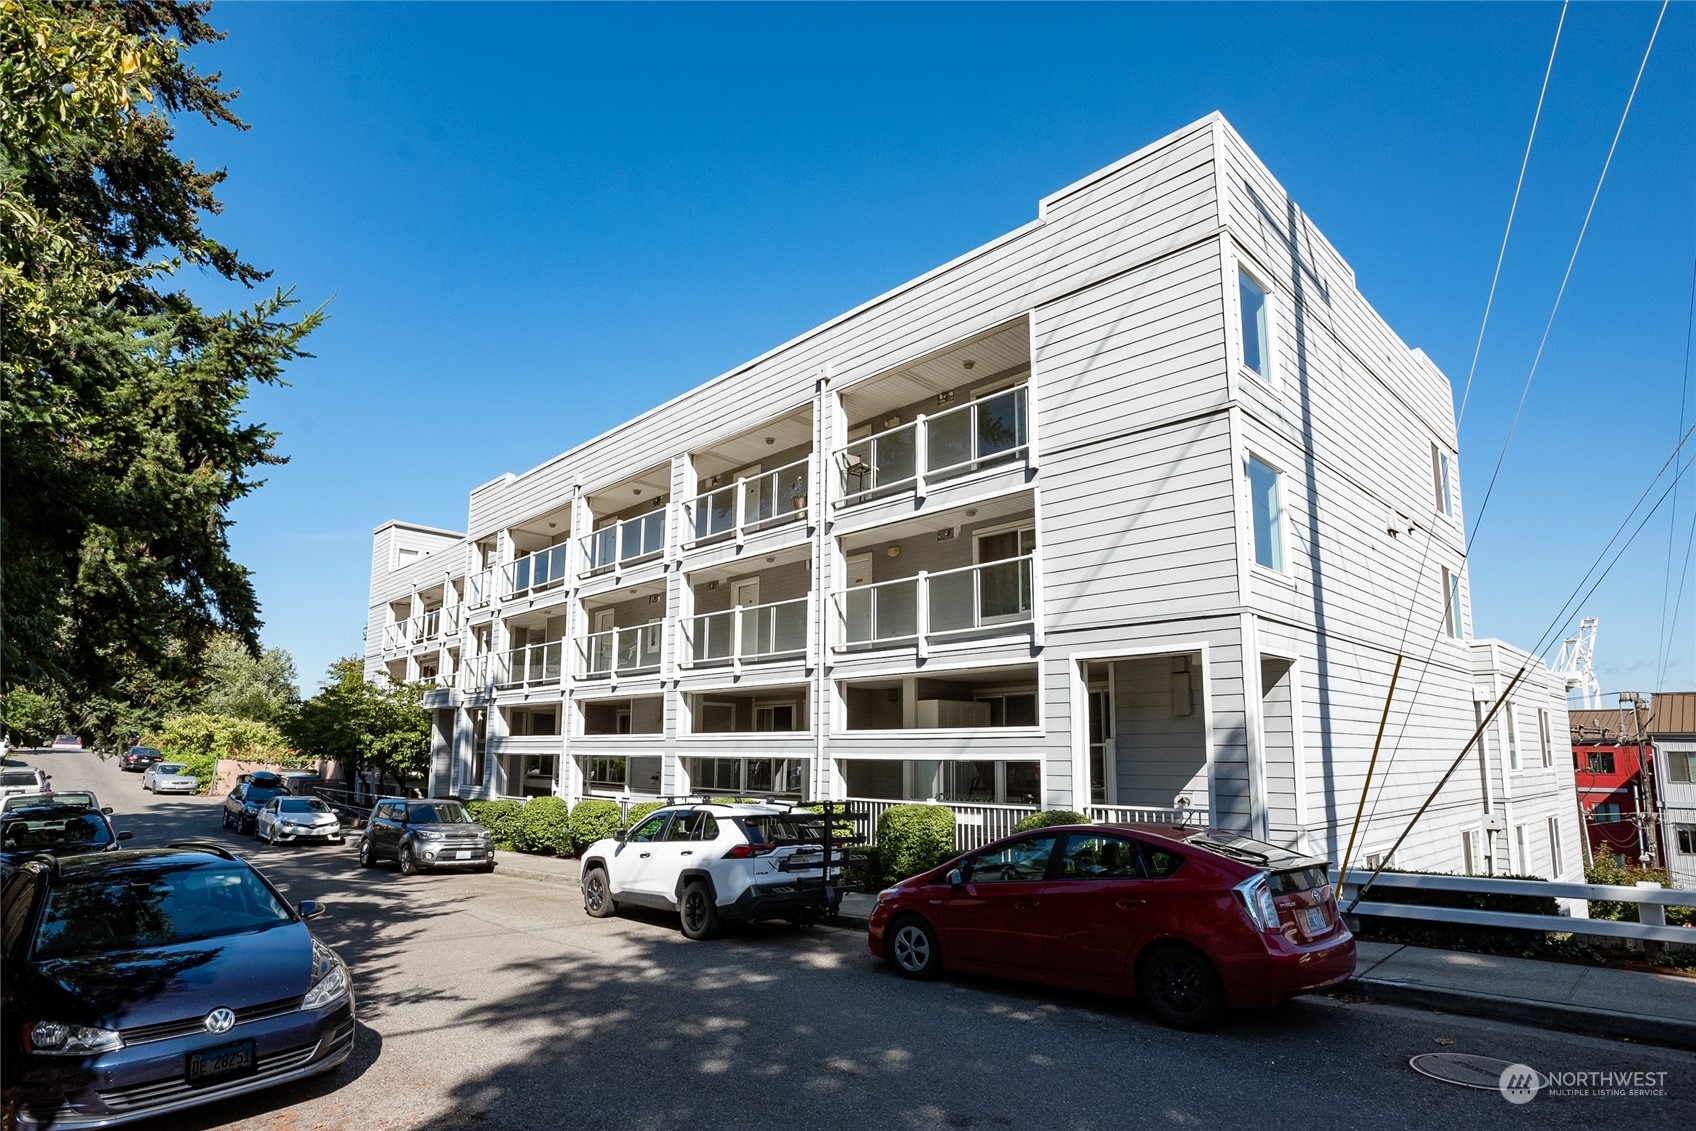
column 1512, row 209
column 1559, row 295
column 1672, row 519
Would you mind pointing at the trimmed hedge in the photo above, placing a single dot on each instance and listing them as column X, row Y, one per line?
column 499, row 817
column 1607, row 870
column 1464, row 936
column 1050, row 817
column 592, row 819
column 637, row 812
column 543, row 826
column 913, row 839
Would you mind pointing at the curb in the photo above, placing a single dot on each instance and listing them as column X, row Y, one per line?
column 1551, row 1015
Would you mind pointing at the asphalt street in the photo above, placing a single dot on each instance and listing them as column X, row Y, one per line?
column 494, row 1003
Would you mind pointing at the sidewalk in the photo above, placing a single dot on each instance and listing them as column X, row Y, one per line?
column 1654, row 1008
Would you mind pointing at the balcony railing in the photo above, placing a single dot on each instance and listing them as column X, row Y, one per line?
column 624, row 543
column 621, row 651
column 976, row 598
column 752, row 503
column 474, row 674
column 536, row 572
column 531, row 666
column 749, row 633
column 480, row 589
column 433, row 625
column 1145, row 815
column 957, row 441
column 975, row 825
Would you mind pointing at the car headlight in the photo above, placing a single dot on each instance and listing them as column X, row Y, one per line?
column 55, row 1038
column 329, row 978
column 428, row 834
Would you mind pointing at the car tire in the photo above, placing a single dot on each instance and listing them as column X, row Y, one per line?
column 698, row 912
column 408, row 860
column 1180, row 987
column 224, row 815
column 367, row 855
column 597, row 894
column 911, row 947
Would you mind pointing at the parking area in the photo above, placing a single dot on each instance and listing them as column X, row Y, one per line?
column 493, row 1002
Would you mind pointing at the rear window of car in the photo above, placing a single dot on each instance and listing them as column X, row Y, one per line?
column 259, row 795
column 17, row 777
column 146, row 752
column 67, row 739
column 77, row 830
column 782, row 828
column 154, row 908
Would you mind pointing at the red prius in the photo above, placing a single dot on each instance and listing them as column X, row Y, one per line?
column 1191, row 920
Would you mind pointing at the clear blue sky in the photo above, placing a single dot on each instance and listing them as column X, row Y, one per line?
column 586, row 210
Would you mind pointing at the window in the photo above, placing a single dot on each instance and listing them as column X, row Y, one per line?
column 1267, row 508
column 774, row 716
column 1524, row 856
column 1554, row 848
column 1471, row 852
column 649, row 830
column 1255, row 340
column 1015, row 709
column 479, row 746
column 1687, row 840
column 1544, row 746
column 717, row 773
column 1599, row 761
column 1451, row 604
column 1098, row 857
column 1513, row 736
column 1681, row 765
column 604, row 773
column 1023, row 861
column 1442, row 474
column 1605, row 813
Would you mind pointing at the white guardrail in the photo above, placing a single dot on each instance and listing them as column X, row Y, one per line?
column 1651, row 900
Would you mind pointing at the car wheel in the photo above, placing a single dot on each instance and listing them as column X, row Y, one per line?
column 367, row 858
column 911, row 948
column 224, row 815
column 1181, row 987
column 597, row 896
column 408, row 861
column 698, row 912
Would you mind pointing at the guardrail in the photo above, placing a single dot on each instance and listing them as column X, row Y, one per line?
column 1651, row 900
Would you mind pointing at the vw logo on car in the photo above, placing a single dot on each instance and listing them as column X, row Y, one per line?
column 220, row 1020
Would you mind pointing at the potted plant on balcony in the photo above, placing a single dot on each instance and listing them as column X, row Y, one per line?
column 798, row 493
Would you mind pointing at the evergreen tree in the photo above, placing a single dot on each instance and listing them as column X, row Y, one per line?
column 121, row 440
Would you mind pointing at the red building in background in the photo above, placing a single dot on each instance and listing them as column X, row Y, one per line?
column 1612, row 779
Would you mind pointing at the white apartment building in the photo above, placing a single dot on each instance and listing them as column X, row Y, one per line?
column 1130, row 510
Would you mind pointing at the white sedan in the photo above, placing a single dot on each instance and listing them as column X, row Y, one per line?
column 168, row 777
column 297, row 818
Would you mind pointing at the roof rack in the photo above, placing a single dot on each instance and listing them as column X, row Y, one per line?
column 204, row 846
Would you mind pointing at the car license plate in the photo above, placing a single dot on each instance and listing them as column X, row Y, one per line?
column 462, row 855
column 225, row 1060
column 1313, row 920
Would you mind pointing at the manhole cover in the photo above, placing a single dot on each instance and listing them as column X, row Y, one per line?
column 1462, row 1068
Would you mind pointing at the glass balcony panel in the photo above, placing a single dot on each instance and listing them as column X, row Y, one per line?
column 952, row 606
column 789, row 627
column 857, row 615
column 712, row 634
column 642, row 536
column 1001, row 423
column 761, row 504
column 949, row 440
column 718, row 516
column 893, row 457
column 1005, row 591
column 896, row 613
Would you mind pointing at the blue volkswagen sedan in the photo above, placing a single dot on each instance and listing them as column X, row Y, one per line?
column 140, row 983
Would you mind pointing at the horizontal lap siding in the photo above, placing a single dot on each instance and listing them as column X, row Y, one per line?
column 1162, row 200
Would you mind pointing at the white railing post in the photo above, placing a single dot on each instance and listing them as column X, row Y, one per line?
column 921, row 613
column 736, row 639
column 921, row 457
column 741, row 508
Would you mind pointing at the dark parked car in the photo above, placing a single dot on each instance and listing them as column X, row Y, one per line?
column 242, row 806
column 139, row 983
column 48, row 825
column 139, row 757
column 425, row 834
column 1191, row 920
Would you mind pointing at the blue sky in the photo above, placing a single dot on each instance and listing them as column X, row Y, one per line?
column 586, row 210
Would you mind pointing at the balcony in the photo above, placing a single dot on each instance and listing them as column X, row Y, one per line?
column 991, row 597
column 751, row 503
column 749, row 634
column 536, row 573
column 986, row 432
column 433, row 625
column 624, row 543
column 536, row 665
column 480, row 589
column 621, row 651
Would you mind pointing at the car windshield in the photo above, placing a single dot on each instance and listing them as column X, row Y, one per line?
column 17, row 777
column 165, row 768
column 438, row 813
column 302, row 805
column 36, row 831
column 259, row 795
column 154, row 907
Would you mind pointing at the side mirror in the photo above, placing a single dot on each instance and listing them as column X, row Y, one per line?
column 620, row 835
column 956, row 878
column 126, row 836
column 309, row 908
column 106, row 809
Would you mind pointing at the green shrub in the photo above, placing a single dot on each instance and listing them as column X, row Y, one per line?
column 1463, row 936
column 202, row 766
column 499, row 817
column 543, row 826
column 591, row 819
column 1607, row 870
column 640, row 810
column 1050, row 817
column 199, row 740
column 913, row 839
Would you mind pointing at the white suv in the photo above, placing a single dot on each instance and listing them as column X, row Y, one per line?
column 710, row 863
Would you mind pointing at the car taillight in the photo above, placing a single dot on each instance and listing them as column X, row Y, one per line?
column 1256, row 896
column 748, row 851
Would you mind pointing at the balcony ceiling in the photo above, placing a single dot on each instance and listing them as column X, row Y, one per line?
column 1003, row 508
column 616, row 498
column 538, row 527
column 723, row 456
column 1008, row 348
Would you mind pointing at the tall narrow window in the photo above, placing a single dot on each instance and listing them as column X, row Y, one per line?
column 1255, row 344
column 1451, row 604
column 1513, row 736
column 1442, row 476
column 1544, row 746
column 1267, row 506
column 1554, row 848
column 1524, row 853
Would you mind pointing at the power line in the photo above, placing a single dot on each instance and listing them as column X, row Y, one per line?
column 1571, row 261
column 1513, row 208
